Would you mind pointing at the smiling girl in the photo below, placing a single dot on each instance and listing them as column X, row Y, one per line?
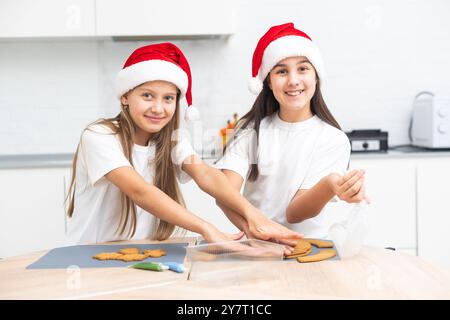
column 288, row 147
column 126, row 169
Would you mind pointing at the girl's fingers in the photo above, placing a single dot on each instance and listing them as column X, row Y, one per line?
column 273, row 230
column 288, row 250
column 347, row 176
column 361, row 195
column 288, row 242
column 235, row 236
column 260, row 233
column 288, row 234
column 351, row 182
column 354, row 189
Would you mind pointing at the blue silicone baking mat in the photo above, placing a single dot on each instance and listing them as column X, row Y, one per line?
column 81, row 256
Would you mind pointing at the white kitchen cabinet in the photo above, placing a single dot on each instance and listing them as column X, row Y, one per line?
column 46, row 18
column 164, row 18
column 32, row 213
column 391, row 187
column 118, row 18
column 433, row 203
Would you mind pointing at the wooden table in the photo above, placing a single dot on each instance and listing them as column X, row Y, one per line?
column 374, row 274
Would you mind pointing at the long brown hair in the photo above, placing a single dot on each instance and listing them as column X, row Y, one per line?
column 265, row 105
column 123, row 126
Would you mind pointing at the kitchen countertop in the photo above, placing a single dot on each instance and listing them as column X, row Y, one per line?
column 22, row 161
column 402, row 152
column 374, row 274
column 64, row 160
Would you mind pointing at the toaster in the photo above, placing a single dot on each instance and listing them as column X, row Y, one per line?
column 373, row 140
column 430, row 123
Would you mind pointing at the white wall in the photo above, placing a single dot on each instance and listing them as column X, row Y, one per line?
column 378, row 55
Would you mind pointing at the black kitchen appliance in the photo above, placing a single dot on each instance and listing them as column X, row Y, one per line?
column 373, row 140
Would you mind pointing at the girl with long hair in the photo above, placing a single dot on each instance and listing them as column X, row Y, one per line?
column 126, row 169
column 289, row 149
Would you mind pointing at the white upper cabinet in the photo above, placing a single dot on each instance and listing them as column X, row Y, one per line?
column 164, row 18
column 115, row 18
column 46, row 18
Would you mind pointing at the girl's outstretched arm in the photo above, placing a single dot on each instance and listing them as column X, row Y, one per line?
column 235, row 181
column 215, row 183
column 308, row 203
column 153, row 200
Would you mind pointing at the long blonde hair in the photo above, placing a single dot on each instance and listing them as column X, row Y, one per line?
column 164, row 176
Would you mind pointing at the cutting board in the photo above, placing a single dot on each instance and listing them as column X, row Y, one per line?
column 81, row 256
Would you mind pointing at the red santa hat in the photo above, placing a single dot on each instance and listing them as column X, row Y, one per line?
column 161, row 61
column 279, row 43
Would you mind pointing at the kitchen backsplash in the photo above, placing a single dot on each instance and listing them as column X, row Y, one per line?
column 377, row 57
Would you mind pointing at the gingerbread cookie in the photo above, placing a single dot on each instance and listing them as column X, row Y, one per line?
column 154, row 253
column 108, row 256
column 302, row 247
column 320, row 243
column 130, row 251
column 299, row 254
column 322, row 255
column 132, row 257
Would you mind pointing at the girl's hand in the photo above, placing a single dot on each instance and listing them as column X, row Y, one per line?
column 212, row 234
column 350, row 187
column 288, row 243
column 260, row 227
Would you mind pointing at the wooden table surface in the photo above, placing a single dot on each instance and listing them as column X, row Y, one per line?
column 374, row 274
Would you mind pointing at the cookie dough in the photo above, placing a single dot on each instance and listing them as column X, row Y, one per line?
column 320, row 243
column 303, row 247
column 291, row 256
column 130, row 254
column 155, row 253
column 322, row 255
column 132, row 257
column 107, row 256
column 130, row 251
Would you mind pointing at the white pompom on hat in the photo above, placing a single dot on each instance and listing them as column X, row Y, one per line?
column 278, row 43
column 161, row 61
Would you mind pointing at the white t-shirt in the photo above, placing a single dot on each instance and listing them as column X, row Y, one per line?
column 97, row 211
column 291, row 156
